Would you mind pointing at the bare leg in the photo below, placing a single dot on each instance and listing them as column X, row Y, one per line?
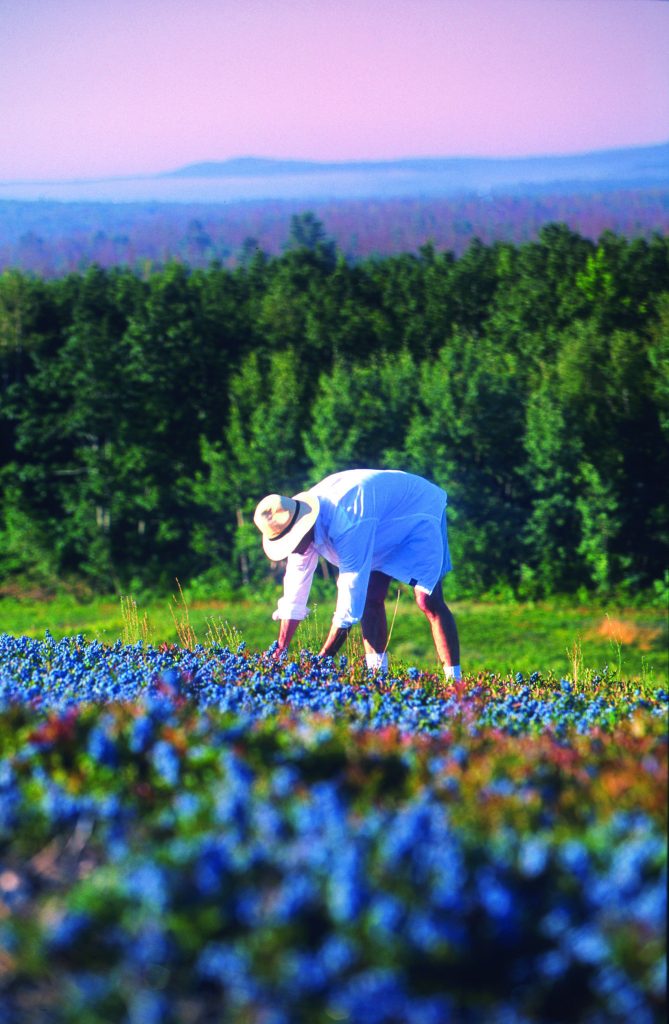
column 374, row 623
column 442, row 624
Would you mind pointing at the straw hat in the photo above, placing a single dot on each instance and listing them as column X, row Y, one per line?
column 284, row 521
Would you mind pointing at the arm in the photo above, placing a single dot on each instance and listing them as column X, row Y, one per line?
column 355, row 549
column 334, row 640
column 351, row 592
column 292, row 606
column 286, row 634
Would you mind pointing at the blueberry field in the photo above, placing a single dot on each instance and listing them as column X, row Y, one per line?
column 210, row 835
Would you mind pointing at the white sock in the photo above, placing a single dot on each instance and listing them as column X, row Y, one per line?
column 452, row 672
column 377, row 662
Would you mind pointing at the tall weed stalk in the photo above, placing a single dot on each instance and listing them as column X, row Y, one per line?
column 181, row 618
column 392, row 624
column 221, row 634
column 134, row 628
column 575, row 655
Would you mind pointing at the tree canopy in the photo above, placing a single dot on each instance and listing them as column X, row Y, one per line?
column 143, row 416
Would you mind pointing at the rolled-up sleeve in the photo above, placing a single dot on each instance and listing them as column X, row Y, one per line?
column 296, row 586
column 355, row 549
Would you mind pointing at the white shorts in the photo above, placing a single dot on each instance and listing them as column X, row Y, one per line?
column 446, row 565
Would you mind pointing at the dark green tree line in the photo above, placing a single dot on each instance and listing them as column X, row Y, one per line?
column 141, row 418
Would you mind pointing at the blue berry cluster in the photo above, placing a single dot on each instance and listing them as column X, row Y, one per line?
column 217, row 835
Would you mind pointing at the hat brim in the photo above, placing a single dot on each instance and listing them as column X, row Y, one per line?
column 279, row 549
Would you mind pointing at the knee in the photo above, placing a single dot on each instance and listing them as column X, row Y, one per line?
column 430, row 604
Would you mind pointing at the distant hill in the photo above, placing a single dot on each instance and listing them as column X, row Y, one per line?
column 255, row 178
column 636, row 167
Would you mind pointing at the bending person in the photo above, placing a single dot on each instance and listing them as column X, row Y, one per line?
column 374, row 525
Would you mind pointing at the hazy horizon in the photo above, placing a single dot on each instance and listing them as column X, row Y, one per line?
column 249, row 178
column 270, row 159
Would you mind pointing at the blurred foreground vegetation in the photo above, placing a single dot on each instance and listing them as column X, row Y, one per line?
column 215, row 836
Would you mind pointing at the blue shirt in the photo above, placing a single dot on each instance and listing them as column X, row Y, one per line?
column 382, row 520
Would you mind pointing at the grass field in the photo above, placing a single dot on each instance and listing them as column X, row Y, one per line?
column 501, row 637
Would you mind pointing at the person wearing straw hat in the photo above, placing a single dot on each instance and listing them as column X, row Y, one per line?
column 374, row 525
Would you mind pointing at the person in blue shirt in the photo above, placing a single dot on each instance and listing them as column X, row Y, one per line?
column 374, row 525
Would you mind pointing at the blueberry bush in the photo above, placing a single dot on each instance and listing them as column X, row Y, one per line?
column 214, row 835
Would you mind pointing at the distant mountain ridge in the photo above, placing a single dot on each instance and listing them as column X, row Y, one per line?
column 263, row 178
column 646, row 160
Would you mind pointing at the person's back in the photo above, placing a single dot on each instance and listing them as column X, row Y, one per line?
column 381, row 520
column 383, row 494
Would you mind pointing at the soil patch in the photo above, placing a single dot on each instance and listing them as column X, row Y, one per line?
column 627, row 633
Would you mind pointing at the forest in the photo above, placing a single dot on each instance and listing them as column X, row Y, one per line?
column 51, row 238
column 142, row 416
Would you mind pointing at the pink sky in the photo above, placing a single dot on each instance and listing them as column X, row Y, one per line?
column 90, row 87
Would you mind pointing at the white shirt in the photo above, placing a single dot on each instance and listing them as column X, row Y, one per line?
column 369, row 520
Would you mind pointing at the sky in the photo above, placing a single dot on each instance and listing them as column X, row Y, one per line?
column 92, row 88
